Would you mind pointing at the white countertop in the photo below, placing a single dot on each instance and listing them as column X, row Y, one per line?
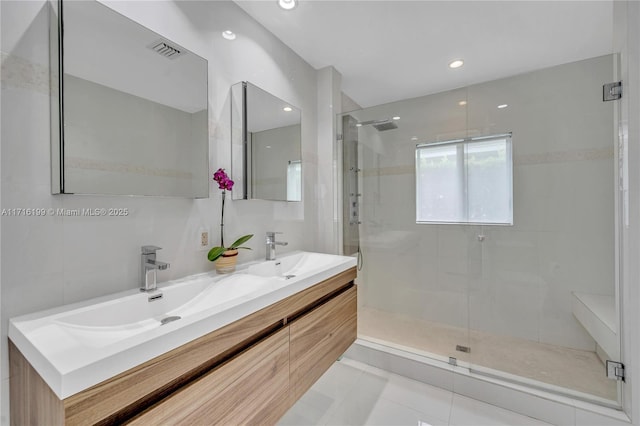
column 76, row 346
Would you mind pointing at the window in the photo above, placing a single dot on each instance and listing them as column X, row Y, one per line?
column 294, row 181
column 465, row 181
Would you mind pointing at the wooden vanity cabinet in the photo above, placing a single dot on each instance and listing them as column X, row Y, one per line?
column 318, row 338
column 238, row 392
column 248, row 372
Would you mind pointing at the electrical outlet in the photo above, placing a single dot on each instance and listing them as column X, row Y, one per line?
column 203, row 240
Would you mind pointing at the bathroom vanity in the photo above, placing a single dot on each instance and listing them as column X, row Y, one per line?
column 258, row 348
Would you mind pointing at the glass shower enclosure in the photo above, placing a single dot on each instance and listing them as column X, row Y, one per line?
column 485, row 221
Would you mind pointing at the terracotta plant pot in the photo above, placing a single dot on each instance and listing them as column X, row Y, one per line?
column 226, row 263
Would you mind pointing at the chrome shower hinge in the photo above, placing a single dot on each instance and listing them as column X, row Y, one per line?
column 612, row 91
column 615, row 370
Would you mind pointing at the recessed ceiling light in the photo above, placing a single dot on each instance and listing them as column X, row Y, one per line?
column 503, row 106
column 287, row 109
column 462, row 103
column 229, row 35
column 268, row 146
column 396, row 117
column 358, row 125
column 456, row 63
column 415, row 138
column 287, row 4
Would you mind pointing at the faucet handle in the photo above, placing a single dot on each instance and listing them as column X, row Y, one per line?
column 272, row 234
column 150, row 249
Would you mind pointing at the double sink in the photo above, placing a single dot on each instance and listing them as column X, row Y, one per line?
column 77, row 346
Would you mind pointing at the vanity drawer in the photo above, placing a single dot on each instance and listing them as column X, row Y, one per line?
column 237, row 392
column 318, row 338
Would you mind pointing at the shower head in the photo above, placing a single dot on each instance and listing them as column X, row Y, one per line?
column 381, row 125
column 385, row 125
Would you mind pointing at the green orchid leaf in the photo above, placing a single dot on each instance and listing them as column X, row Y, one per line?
column 215, row 253
column 245, row 248
column 241, row 240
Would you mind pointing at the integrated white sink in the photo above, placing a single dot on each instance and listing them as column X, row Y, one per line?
column 233, row 288
column 292, row 265
column 134, row 309
column 103, row 324
column 77, row 346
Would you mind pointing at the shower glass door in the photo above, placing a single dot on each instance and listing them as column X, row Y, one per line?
column 413, row 284
column 542, row 305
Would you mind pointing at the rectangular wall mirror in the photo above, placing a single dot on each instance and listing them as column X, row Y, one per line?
column 131, row 111
column 266, row 145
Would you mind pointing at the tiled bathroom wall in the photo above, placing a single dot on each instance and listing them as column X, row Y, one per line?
column 49, row 261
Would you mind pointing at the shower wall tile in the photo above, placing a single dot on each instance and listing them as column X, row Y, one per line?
column 571, row 205
column 578, row 261
column 454, row 240
column 506, row 308
column 530, row 187
column 566, row 97
column 506, row 249
column 451, row 308
column 558, row 326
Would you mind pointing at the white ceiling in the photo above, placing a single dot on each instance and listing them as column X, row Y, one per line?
column 388, row 50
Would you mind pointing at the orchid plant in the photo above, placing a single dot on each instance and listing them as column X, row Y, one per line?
column 225, row 184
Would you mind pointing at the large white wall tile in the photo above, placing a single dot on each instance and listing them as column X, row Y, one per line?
column 26, row 133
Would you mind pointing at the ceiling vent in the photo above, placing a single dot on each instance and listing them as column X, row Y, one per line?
column 167, row 50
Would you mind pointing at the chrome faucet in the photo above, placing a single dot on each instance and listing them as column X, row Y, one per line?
column 148, row 267
column 271, row 244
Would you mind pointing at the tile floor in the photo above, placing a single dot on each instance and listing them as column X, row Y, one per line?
column 352, row 393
